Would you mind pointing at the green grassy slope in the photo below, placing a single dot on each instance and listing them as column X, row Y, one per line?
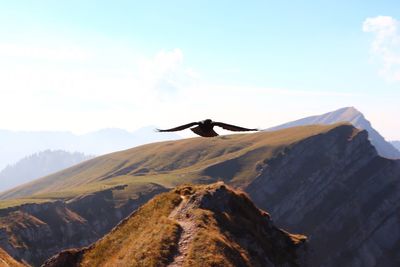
column 232, row 158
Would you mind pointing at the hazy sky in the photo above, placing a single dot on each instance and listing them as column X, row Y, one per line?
column 85, row 65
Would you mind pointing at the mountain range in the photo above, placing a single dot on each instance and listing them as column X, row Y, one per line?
column 38, row 165
column 326, row 182
column 17, row 145
column 356, row 118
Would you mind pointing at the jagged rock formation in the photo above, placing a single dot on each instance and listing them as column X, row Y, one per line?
column 193, row 226
column 356, row 118
column 34, row 232
column 335, row 189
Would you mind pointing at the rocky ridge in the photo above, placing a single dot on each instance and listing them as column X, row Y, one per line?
column 34, row 232
column 216, row 226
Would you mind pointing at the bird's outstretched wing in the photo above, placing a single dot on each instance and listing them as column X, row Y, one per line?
column 231, row 127
column 179, row 128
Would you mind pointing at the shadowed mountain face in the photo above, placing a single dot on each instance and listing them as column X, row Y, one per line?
column 38, row 165
column 338, row 192
column 356, row 118
column 326, row 182
column 192, row 226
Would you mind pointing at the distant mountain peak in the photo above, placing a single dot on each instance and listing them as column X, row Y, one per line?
column 348, row 112
column 353, row 116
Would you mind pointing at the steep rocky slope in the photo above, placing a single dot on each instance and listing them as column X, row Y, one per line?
column 33, row 232
column 7, row 261
column 335, row 189
column 193, row 226
column 356, row 118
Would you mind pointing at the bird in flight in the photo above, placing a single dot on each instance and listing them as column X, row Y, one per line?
column 205, row 128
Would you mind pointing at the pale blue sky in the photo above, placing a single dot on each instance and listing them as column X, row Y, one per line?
column 84, row 65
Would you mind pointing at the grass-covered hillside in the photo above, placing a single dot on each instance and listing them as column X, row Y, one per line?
column 234, row 159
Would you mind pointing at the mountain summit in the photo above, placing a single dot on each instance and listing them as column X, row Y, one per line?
column 355, row 117
column 205, row 225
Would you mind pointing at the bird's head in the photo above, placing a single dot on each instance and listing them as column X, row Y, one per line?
column 207, row 121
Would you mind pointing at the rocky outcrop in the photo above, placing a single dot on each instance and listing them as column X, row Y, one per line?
column 34, row 232
column 215, row 226
column 334, row 188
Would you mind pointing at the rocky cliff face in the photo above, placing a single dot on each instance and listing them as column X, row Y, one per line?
column 335, row 189
column 200, row 226
column 34, row 232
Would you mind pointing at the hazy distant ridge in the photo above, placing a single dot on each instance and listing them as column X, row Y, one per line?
column 38, row 165
column 17, row 145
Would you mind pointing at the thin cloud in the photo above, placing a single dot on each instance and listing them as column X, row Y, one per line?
column 165, row 72
column 385, row 46
column 104, row 86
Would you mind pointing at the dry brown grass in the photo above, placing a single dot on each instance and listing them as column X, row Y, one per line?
column 7, row 261
column 146, row 238
column 227, row 230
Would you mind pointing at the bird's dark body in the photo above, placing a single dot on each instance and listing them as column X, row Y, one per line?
column 204, row 131
column 205, row 128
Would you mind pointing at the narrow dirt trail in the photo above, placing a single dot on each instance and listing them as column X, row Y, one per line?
column 180, row 215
